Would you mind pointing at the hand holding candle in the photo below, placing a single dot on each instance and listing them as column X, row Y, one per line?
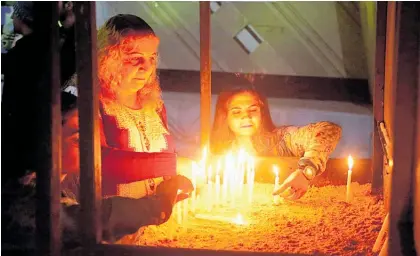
column 349, row 172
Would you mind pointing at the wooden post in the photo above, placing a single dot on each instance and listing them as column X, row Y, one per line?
column 389, row 91
column 48, row 235
column 378, row 97
column 416, row 179
column 404, row 115
column 88, row 104
column 205, row 72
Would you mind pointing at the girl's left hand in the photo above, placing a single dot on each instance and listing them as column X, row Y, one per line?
column 297, row 183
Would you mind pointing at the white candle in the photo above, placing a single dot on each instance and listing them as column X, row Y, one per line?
column 276, row 198
column 195, row 172
column 218, row 182
column 179, row 210
column 251, row 179
column 349, row 193
column 233, row 184
column 185, row 214
column 225, row 181
column 209, row 189
column 241, row 170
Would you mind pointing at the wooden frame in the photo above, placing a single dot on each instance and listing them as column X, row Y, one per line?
column 404, row 120
column 398, row 131
column 402, row 105
column 90, row 144
column 48, row 233
column 378, row 98
column 355, row 91
column 205, row 72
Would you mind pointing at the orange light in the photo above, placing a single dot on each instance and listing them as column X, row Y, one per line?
column 239, row 220
column 350, row 162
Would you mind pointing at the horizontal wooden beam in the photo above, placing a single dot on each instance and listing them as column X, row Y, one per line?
column 160, row 251
column 276, row 86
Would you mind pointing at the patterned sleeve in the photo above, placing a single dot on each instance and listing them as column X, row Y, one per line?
column 313, row 142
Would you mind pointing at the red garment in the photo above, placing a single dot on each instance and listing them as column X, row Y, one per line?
column 121, row 165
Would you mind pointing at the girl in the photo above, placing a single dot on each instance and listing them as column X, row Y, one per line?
column 242, row 120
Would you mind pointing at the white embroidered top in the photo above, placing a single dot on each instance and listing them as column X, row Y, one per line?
column 146, row 131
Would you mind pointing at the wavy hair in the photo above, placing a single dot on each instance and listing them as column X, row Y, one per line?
column 221, row 137
column 113, row 43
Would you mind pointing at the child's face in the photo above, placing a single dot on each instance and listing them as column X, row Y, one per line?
column 70, row 144
column 244, row 114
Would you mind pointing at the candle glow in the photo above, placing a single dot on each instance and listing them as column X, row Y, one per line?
column 350, row 163
column 224, row 184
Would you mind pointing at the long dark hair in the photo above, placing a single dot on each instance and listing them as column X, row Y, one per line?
column 221, row 136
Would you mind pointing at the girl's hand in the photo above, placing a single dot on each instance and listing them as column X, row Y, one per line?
column 297, row 183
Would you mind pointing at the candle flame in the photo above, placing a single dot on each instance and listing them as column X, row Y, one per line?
column 239, row 220
column 276, row 170
column 350, row 162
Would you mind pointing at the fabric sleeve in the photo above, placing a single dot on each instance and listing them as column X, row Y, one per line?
column 313, row 143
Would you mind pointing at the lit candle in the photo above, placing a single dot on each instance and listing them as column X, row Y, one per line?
column 204, row 157
column 233, row 187
column 251, row 176
column 185, row 214
column 209, row 189
column 228, row 160
column 179, row 210
column 349, row 193
column 218, row 182
column 276, row 184
column 241, row 169
column 195, row 173
column 239, row 220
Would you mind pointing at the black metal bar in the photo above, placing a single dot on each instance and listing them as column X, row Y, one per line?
column 88, row 104
column 48, row 235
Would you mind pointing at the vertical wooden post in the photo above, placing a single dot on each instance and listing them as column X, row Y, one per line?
column 48, row 177
column 378, row 97
column 416, row 179
column 389, row 90
column 404, row 113
column 205, row 72
column 88, row 104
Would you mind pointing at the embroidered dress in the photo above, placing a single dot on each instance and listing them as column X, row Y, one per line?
column 144, row 131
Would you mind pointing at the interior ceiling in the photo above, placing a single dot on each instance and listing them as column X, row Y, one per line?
column 322, row 39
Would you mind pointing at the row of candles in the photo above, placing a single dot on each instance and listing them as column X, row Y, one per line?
column 233, row 171
column 234, row 174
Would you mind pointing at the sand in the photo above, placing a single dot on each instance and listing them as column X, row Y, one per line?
column 320, row 223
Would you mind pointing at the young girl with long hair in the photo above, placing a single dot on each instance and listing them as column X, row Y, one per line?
column 243, row 120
